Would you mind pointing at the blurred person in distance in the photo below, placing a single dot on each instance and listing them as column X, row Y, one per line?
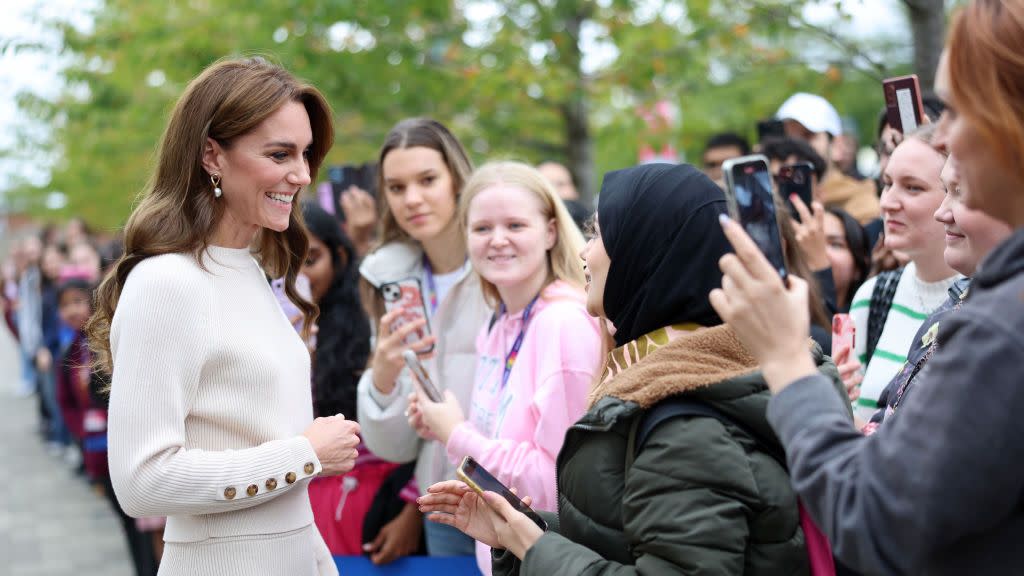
column 812, row 118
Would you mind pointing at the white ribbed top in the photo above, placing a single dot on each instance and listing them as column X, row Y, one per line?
column 210, row 395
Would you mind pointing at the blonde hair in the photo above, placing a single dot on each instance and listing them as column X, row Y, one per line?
column 564, row 257
column 178, row 211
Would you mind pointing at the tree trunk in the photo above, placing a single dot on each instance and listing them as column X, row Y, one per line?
column 928, row 26
column 579, row 146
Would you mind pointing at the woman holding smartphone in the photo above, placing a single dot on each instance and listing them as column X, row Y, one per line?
column 937, row 490
column 538, row 356
column 913, row 192
column 422, row 169
column 694, row 494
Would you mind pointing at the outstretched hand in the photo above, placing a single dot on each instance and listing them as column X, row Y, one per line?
column 456, row 504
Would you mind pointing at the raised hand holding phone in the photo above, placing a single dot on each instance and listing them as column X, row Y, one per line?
column 749, row 194
column 770, row 316
column 407, row 296
column 903, row 107
column 387, row 357
column 843, row 337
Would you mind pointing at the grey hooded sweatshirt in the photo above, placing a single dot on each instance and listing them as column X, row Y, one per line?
column 941, row 489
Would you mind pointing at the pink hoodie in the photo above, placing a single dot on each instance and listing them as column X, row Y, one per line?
column 516, row 432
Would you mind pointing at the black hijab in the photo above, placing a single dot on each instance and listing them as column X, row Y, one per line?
column 659, row 224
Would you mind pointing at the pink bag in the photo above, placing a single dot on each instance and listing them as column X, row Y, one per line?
column 819, row 551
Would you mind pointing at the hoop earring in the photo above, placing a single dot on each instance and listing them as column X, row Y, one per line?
column 215, row 180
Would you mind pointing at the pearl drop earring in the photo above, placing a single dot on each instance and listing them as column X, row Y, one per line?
column 215, row 179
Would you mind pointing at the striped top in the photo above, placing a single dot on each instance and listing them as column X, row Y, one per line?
column 912, row 303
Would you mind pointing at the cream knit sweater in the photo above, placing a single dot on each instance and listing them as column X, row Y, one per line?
column 210, row 396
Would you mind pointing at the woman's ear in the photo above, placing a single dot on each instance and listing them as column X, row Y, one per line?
column 552, row 234
column 213, row 157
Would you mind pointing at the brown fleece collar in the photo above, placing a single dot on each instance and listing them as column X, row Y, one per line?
column 690, row 361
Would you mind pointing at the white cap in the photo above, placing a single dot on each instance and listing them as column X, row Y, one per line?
column 813, row 111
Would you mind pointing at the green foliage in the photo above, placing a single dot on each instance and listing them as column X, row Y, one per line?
column 504, row 81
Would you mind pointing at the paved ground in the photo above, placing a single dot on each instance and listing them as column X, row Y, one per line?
column 51, row 522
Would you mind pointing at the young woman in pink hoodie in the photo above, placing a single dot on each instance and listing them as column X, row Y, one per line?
column 538, row 355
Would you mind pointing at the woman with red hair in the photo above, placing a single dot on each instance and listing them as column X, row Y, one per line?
column 941, row 489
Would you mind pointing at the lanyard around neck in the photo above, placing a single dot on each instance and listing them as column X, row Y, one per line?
column 431, row 285
column 513, row 354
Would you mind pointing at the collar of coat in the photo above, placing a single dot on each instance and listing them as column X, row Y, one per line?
column 690, row 360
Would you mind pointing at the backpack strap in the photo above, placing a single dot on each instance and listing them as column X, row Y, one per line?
column 878, row 310
column 676, row 406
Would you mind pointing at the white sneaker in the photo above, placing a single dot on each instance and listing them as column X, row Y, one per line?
column 73, row 456
column 55, row 449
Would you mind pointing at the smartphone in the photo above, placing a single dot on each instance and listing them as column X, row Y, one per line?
column 796, row 179
column 748, row 191
column 844, row 330
column 903, row 107
column 408, row 295
column 414, row 364
column 480, row 480
column 770, row 128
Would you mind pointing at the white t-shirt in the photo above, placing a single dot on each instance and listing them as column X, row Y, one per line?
column 443, row 284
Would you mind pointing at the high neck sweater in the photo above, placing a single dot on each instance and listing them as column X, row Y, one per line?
column 209, row 398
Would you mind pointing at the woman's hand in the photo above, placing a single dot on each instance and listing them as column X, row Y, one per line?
column 360, row 210
column 849, row 372
column 415, row 416
column 770, row 318
column 387, row 358
column 810, row 233
column 515, row 531
column 397, row 538
column 439, row 418
column 456, row 504
column 334, row 441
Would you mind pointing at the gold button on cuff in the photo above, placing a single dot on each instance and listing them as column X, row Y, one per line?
column 252, row 489
column 271, row 483
column 290, row 477
column 229, row 492
column 308, row 468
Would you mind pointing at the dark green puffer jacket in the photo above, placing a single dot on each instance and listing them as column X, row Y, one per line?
column 700, row 497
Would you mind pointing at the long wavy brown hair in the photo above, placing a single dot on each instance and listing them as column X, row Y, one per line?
column 178, row 212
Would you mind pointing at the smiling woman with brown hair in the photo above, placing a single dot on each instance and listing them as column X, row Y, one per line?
column 210, row 420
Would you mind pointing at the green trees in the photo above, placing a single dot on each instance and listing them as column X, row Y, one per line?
column 528, row 79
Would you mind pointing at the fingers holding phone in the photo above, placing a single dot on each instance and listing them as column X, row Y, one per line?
column 810, row 233
column 391, row 344
column 438, row 418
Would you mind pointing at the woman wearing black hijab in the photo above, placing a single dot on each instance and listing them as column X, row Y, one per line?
column 673, row 468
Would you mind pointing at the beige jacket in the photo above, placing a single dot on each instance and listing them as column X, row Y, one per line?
column 857, row 197
column 385, row 428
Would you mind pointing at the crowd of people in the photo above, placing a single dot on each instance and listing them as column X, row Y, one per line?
column 636, row 370
column 49, row 278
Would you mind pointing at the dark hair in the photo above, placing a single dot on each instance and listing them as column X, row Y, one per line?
column 781, row 148
column 343, row 341
column 728, row 140
column 933, row 108
column 79, row 284
column 860, row 249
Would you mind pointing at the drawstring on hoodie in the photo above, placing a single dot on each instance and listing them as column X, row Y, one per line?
column 348, row 484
